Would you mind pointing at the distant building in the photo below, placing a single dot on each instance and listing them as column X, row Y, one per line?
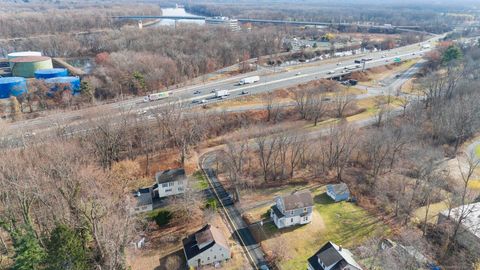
column 333, row 257
column 293, row 209
column 469, row 233
column 338, row 192
column 224, row 21
column 206, row 246
column 170, row 182
column 144, row 200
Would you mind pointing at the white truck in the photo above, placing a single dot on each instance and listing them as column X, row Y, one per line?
column 221, row 93
column 426, row 46
column 157, row 96
column 248, row 80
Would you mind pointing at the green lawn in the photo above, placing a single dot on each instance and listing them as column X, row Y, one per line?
column 343, row 223
column 200, row 182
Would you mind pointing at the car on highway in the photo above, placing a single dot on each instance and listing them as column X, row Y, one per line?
column 339, row 63
column 298, row 73
column 214, row 90
column 197, row 92
column 244, row 92
column 330, row 71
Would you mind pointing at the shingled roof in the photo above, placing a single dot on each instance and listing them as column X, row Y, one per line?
column 297, row 200
column 333, row 256
column 170, row 175
column 202, row 240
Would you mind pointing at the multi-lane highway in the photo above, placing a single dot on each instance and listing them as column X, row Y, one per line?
column 268, row 82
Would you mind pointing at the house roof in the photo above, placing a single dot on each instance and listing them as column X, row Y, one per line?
column 170, row 175
column 470, row 213
column 338, row 188
column 277, row 211
column 202, row 240
column 143, row 196
column 297, row 200
column 331, row 254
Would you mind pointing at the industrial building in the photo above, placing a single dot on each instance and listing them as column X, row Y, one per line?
column 224, row 21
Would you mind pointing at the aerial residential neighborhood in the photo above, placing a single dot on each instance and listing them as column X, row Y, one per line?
column 235, row 135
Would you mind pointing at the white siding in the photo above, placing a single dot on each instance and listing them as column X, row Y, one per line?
column 171, row 188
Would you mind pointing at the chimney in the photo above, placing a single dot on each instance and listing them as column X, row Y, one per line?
column 340, row 248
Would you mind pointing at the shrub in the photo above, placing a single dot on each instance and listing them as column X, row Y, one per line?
column 162, row 218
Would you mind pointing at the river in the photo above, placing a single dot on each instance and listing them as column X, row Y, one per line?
column 177, row 12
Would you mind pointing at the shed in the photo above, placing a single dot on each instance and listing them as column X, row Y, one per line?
column 338, row 192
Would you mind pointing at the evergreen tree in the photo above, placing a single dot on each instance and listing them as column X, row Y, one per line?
column 29, row 254
column 66, row 250
column 452, row 53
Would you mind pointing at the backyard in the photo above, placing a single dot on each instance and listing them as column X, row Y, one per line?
column 343, row 223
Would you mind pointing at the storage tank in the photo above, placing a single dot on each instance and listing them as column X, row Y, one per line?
column 12, row 86
column 26, row 66
column 64, row 83
column 42, row 74
column 14, row 55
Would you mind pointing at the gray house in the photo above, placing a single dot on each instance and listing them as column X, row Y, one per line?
column 170, row 182
column 144, row 200
column 292, row 209
column 338, row 192
column 206, row 246
column 469, row 232
column 333, row 257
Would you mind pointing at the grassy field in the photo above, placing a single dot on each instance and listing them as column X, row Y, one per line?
column 433, row 212
column 343, row 223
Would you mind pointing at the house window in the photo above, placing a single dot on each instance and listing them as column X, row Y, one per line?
column 291, row 212
column 215, row 257
column 291, row 220
column 180, row 189
column 168, row 190
column 171, row 184
column 305, row 209
column 208, row 258
column 164, row 185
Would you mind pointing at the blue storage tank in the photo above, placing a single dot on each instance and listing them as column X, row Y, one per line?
column 67, row 82
column 50, row 73
column 12, row 86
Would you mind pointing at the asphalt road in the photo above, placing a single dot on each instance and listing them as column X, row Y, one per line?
column 268, row 82
column 240, row 228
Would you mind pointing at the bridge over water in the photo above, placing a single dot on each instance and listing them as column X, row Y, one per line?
column 277, row 22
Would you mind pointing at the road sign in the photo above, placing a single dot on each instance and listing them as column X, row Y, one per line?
column 397, row 60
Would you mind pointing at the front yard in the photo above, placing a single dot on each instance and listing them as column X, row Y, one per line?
column 343, row 223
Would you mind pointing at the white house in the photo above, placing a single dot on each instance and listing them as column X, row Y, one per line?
column 206, row 246
column 333, row 257
column 292, row 209
column 144, row 200
column 170, row 182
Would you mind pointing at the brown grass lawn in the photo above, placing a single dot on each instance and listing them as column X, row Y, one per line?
column 155, row 257
column 343, row 223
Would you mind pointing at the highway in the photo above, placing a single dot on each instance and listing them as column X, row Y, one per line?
column 269, row 81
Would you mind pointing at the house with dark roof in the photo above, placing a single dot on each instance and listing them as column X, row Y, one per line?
column 468, row 234
column 333, row 257
column 170, row 182
column 144, row 200
column 206, row 246
column 293, row 209
column 338, row 192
